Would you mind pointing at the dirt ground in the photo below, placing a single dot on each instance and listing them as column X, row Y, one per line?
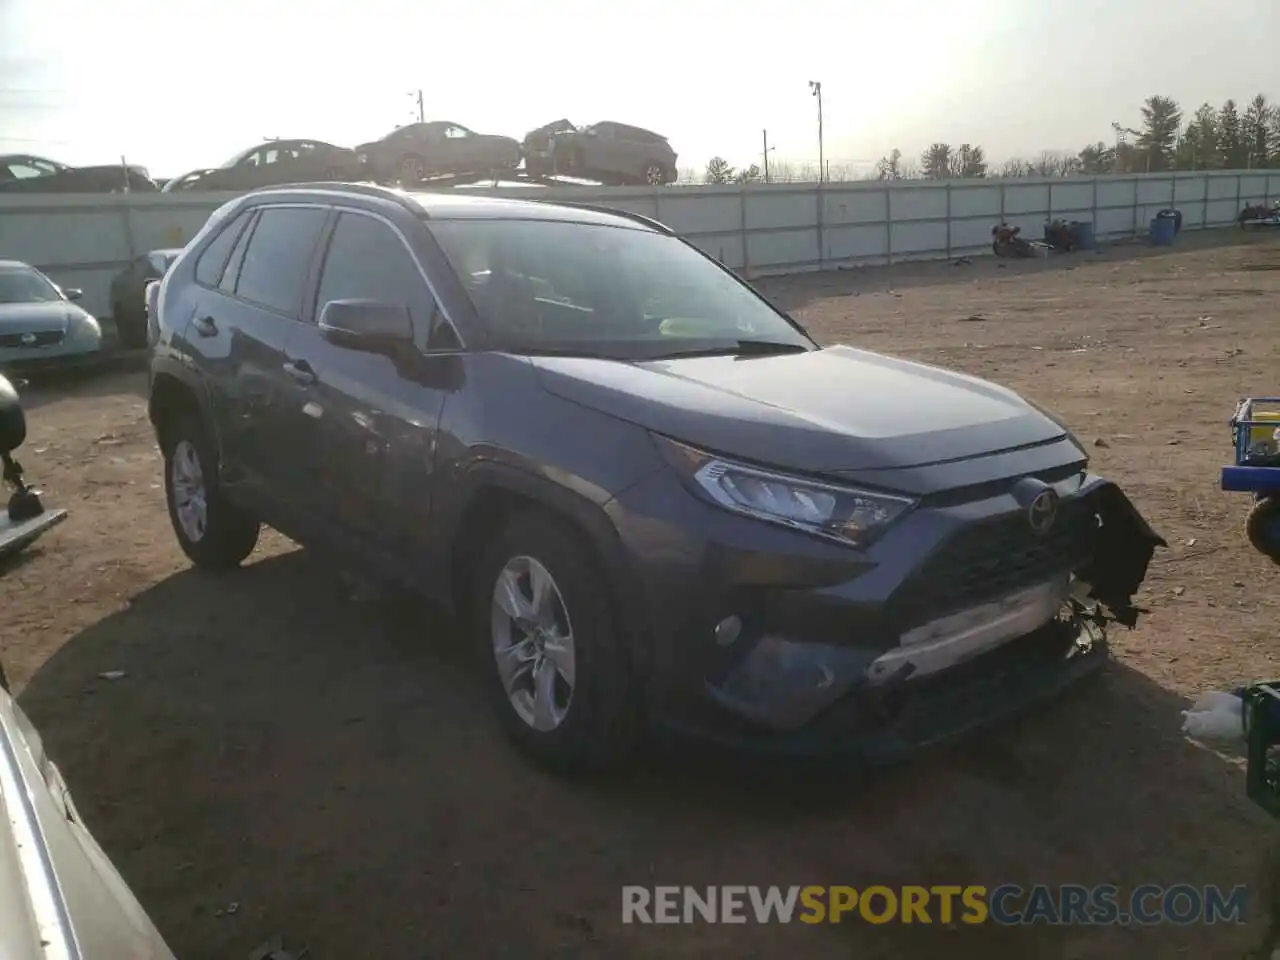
column 327, row 765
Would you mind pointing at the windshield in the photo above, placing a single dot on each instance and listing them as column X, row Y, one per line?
column 24, row 285
column 238, row 157
column 625, row 293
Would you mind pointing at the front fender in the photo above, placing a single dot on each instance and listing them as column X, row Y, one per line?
column 1123, row 548
column 587, row 516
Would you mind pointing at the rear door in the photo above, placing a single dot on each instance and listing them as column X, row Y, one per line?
column 369, row 421
column 244, row 325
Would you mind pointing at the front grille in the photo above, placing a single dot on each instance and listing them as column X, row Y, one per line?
column 44, row 338
column 994, row 558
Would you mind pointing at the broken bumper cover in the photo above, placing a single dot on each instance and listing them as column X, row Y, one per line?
column 882, row 724
column 935, row 639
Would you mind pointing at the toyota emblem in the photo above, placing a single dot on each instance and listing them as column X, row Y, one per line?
column 28, row 339
column 1043, row 511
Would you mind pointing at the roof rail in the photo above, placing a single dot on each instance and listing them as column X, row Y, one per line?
column 653, row 224
column 338, row 186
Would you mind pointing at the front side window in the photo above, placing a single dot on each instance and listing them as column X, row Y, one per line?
column 275, row 264
column 26, row 285
column 366, row 260
column 617, row 291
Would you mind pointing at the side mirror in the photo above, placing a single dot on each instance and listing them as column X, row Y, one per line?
column 372, row 325
column 74, row 293
column 13, row 425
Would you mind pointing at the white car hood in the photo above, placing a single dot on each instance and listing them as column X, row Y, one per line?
column 60, row 897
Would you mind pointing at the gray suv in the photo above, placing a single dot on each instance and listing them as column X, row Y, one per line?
column 649, row 496
column 612, row 153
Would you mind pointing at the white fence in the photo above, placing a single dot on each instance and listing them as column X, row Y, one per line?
column 82, row 240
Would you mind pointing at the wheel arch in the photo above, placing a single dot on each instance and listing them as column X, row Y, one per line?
column 495, row 493
column 172, row 395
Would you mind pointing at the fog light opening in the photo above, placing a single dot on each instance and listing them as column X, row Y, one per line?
column 728, row 630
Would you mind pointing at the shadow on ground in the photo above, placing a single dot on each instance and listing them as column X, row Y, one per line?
column 798, row 291
column 117, row 373
column 328, row 767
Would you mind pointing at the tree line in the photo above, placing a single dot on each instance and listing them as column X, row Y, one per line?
column 1212, row 138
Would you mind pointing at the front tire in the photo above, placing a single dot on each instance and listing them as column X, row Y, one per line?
column 556, row 668
column 213, row 532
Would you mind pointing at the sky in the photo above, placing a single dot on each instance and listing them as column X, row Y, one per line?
column 180, row 86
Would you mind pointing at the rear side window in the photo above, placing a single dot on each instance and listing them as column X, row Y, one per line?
column 232, row 273
column 214, row 258
column 275, row 265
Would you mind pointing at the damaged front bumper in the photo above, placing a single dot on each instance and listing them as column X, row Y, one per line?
column 987, row 621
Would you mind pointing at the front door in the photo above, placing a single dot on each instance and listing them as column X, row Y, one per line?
column 370, row 419
column 247, row 324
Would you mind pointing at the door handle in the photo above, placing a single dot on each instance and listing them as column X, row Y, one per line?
column 300, row 371
column 205, row 326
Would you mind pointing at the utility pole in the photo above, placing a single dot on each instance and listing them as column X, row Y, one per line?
column 417, row 97
column 815, row 89
column 767, row 148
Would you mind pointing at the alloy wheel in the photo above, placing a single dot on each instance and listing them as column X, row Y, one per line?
column 190, row 499
column 533, row 643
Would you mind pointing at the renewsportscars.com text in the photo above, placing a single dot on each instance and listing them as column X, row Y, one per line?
column 1007, row 904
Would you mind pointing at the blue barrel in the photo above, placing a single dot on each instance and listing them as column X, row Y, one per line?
column 1162, row 232
column 1083, row 232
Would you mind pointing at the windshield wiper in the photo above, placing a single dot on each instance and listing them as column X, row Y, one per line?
column 744, row 348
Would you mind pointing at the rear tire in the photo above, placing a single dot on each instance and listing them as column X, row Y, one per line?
column 218, row 535
column 598, row 726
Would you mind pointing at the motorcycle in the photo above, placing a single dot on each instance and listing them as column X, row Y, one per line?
column 1006, row 242
column 26, row 518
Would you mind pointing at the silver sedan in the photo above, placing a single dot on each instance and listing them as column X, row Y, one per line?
column 40, row 322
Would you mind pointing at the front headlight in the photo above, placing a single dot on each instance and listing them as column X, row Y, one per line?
column 84, row 331
column 846, row 514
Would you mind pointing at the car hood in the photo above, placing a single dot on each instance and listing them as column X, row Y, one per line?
column 835, row 410
column 34, row 317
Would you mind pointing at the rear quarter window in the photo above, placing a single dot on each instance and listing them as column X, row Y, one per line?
column 214, row 257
